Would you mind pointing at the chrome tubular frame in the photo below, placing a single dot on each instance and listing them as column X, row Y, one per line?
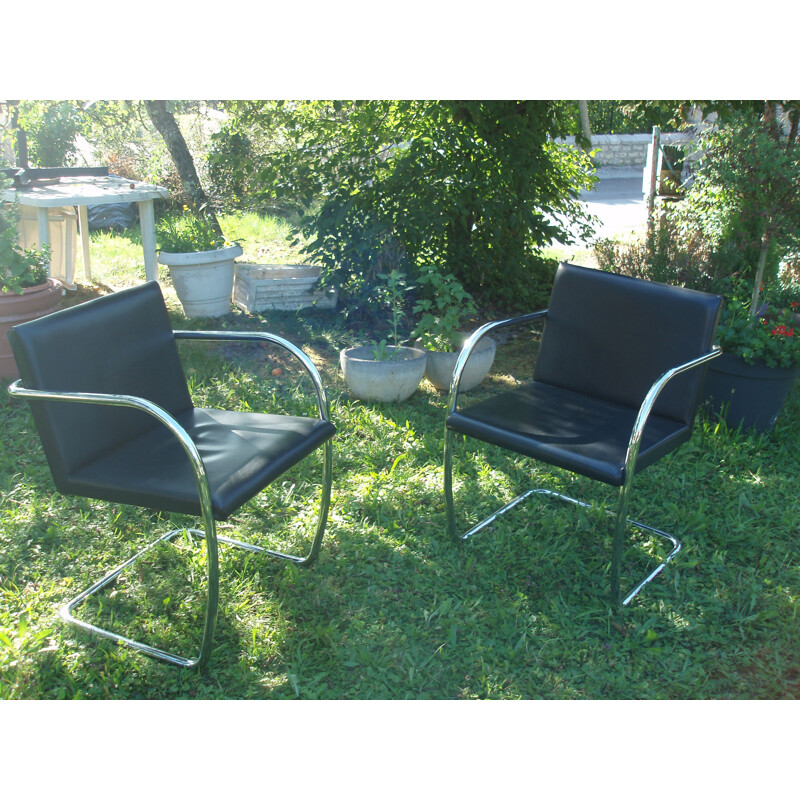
column 620, row 514
column 323, row 410
column 209, row 533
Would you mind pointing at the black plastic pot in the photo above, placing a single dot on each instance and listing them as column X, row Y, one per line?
column 748, row 394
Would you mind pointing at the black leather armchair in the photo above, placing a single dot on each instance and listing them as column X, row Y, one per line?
column 112, row 407
column 615, row 388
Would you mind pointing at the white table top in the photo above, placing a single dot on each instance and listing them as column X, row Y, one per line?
column 84, row 191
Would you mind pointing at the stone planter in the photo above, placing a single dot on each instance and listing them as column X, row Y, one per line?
column 34, row 302
column 748, row 394
column 279, row 287
column 440, row 366
column 388, row 381
column 203, row 281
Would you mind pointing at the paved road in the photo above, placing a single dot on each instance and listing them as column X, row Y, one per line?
column 618, row 200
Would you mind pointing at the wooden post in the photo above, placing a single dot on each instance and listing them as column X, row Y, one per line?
column 655, row 149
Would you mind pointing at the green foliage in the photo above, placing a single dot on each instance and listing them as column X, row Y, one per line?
column 667, row 254
column 188, row 233
column 19, row 268
column 622, row 116
column 391, row 294
column 478, row 187
column 52, row 128
column 744, row 200
column 770, row 336
column 442, row 308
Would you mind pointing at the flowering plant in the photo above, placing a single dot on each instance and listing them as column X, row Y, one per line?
column 770, row 336
column 190, row 233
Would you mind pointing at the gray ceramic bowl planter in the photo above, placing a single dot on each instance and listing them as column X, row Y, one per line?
column 440, row 365
column 389, row 380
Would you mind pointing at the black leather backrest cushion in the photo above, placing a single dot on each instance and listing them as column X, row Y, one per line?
column 121, row 343
column 611, row 337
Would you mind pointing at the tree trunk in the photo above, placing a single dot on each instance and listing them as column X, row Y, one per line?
column 586, row 130
column 762, row 260
column 166, row 125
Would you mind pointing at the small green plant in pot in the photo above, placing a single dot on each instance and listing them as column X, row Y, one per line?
column 381, row 371
column 200, row 261
column 443, row 310
column 26, row 291
column 19, row 269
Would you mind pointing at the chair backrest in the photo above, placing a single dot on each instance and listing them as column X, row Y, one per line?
column 120, row 343
column 611, row 337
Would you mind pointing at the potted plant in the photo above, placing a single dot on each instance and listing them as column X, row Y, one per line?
column 200, row 262
column 746, row 195
column 381, row 371
column 443, row 309
column 26, row 291
column 749, row 382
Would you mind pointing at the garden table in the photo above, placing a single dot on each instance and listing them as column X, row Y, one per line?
column 83, row 191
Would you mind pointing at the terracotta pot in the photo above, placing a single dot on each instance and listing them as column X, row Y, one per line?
column 36, row 301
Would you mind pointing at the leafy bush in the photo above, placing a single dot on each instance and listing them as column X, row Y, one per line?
column 666, row 255
column 477, row 187
column 19, row 269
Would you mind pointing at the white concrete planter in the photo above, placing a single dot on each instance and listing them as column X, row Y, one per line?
column 388, row 381
column 203, row 281
column 279, row 287
column 440, row 366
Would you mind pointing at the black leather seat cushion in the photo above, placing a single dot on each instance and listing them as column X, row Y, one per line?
column 242, row 453
column 569, row 430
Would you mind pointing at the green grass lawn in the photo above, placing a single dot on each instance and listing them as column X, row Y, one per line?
column 393, row 609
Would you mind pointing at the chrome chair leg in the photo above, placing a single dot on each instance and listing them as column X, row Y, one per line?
column 212, row 601
column 619, row 515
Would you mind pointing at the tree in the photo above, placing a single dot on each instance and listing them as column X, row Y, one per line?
column 474, row 187
column 745, row 198
column 164, row 122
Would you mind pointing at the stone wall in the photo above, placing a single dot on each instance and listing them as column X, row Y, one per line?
column 625, row 149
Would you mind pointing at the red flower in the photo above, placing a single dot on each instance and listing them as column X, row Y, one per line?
column 782, row 330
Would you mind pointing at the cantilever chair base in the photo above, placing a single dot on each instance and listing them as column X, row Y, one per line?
column 551, row 495
column 66, row 611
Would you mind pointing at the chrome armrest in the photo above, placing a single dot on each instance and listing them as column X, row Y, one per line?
column 130, row 401
column 322, row 396
column 471, row 343
column 650, row 400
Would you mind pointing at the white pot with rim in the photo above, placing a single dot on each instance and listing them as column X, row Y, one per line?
column 203, row 281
